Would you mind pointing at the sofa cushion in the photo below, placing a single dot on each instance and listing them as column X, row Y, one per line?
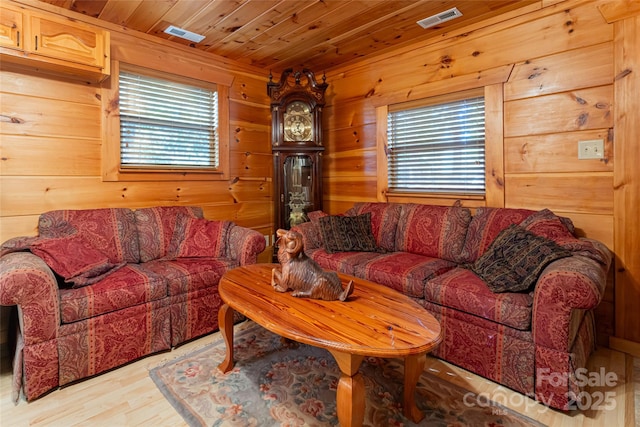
column 405, row 272
column 347, row 233
column 310, row 230
column 515, row 259
column 485, row 226
column 311, row 236
column 547, row 224
column 314, row 216
column 461, row 289
column 198, row 237
column 384, row 221
column 434, row 231
column 129, row 286
column 344, row 262
column 156, row 226
column 74, row 259
column 190, row 274
column 112, row 231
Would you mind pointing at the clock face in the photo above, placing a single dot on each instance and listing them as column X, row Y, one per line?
column 298, row 122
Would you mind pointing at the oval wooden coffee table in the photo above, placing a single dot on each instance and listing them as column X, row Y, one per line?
column 373, row 321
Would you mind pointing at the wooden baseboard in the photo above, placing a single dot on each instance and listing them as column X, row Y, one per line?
column 625, row 346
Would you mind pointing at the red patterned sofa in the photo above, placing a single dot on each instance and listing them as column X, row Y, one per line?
column 532, row 340
column 102, row 287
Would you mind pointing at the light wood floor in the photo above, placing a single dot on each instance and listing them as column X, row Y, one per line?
column 128, row 397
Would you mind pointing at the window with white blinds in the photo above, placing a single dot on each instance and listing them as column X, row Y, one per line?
column 437, row 148
column 166, row 124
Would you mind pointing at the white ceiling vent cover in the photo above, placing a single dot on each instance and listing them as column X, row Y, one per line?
column 445, row 16
column 184, row 34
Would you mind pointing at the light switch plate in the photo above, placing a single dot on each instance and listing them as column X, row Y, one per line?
column 591, row 149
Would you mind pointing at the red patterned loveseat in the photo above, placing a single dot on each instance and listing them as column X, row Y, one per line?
column 533, row 340
column 98, row 288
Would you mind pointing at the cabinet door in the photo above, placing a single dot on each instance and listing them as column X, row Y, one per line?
column 11, row 30
column 68, row 41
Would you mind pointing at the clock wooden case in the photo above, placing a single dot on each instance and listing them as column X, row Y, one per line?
column 297, row 100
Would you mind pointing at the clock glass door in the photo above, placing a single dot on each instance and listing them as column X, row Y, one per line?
column 298, row 189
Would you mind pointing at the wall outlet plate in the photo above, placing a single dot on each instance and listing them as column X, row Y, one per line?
column 591, row 149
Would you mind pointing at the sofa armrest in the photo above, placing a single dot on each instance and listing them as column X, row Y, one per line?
column 565, row 287
column 245, row 244
column 17, row 244
column 26, row 281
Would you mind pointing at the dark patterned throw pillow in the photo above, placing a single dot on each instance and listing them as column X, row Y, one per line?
column 515, row 259
column 348, row 233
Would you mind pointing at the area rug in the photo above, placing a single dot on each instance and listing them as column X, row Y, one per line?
column 290, row 384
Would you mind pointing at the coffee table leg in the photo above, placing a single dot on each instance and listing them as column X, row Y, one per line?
column 225, row 322
column 350, row 394
column 413, row 368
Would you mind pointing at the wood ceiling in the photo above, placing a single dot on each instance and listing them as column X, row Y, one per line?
column 277, row 34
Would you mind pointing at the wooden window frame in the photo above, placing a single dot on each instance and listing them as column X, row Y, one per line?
column 494, row 145
column 111, row 167
column 438, row 101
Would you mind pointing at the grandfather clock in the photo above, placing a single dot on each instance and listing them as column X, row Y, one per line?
column 296, row 143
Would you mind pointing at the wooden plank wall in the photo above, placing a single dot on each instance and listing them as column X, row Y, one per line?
column 625, row 16
column 560, row 91
column 51, row 139
column 51, row 131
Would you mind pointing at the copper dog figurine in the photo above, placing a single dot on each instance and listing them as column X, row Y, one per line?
column 302, row 274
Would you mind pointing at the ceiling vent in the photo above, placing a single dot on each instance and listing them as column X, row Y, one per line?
column 445, row 16
column 184, row 34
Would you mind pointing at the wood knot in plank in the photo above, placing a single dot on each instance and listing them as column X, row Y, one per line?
column 622, row 74
column 582, row 119
column 581, row 101
column 537, row 72
column 524, row 150
column 113, row 105
column 499, row 181
column 10, row 119
column 446, row 61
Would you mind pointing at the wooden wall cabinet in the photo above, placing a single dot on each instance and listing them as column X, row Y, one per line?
column 52, row 44
column 11, row 28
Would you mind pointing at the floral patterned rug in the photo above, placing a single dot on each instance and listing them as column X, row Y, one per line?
column 278, row 384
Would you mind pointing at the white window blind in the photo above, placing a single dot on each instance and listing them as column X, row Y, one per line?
column 437, row 148
column 166, row 124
